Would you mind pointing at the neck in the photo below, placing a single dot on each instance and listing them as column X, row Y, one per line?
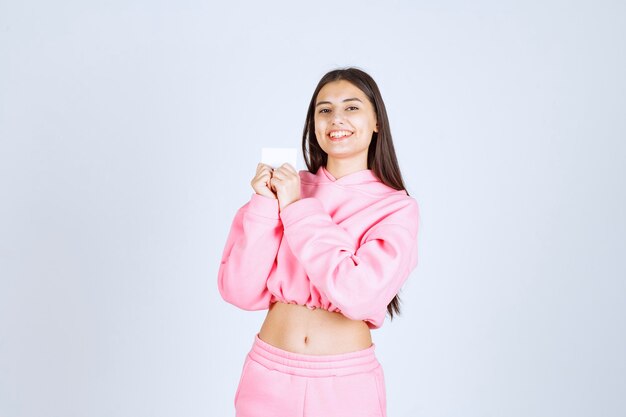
column 339, row 168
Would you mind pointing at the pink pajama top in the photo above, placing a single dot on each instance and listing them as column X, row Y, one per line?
column 348, row 245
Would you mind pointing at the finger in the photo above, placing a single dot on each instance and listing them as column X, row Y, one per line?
column 261, row 177
column 284, row 172
column 264, row 171
column 288, row 167
column 262, row 166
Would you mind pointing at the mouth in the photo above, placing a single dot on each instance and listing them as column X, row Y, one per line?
column 337, row 135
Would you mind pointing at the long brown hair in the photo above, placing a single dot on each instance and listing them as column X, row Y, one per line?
column 381, row 155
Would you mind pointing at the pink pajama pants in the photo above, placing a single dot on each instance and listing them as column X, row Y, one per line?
column 278, row 383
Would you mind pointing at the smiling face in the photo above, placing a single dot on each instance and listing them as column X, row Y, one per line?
column 345, row 121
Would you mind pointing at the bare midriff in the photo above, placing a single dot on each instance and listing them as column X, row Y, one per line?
column 296, row 328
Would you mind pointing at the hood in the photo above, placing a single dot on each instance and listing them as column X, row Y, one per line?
column 364, row 180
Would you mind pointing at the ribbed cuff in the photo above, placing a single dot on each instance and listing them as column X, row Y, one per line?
column 263, row 206
column 301, row 209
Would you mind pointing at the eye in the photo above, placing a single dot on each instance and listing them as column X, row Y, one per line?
column 324, row 111
column 351, row 108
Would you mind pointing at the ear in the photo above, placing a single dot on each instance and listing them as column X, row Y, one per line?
column 376, row 128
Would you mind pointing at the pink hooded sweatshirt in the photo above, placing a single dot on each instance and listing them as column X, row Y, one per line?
column 348, row 245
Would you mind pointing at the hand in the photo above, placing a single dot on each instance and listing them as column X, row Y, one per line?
column 261, row 181
column 286, row 182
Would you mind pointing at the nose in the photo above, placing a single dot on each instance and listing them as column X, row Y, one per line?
column 338, row 118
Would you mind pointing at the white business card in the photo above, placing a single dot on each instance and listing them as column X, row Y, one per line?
column 275, row 157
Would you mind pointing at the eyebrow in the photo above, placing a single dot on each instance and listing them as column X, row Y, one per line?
column 348, row 99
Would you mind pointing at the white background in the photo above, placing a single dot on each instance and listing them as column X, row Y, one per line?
column 130, row 130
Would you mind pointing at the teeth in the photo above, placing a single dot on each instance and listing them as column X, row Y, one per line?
column 340, row 133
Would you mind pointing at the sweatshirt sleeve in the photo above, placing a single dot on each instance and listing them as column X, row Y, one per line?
column 361, row 282
column 250, row 254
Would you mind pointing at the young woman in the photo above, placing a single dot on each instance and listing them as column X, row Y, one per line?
column 326, row 251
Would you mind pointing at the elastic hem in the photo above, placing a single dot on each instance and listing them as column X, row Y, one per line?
column 300, row 364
